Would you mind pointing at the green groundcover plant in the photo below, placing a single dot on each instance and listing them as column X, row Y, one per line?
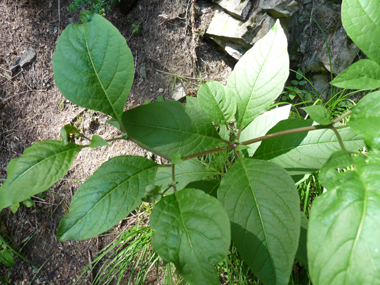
column 252, row 200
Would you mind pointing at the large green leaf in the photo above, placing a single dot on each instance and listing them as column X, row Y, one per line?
column 168, row 128
column 109, row 195
column 343, row 239
column 262, row 203
column 365, row 117
column 262, row 124
column 193, row 232
column 305, row 152
column 185, row 172
column 361, row 20
column 364, row 74
column 259, row 76
column 93, row 66
column 302, row 249
column 217, row 101
column 40, row 166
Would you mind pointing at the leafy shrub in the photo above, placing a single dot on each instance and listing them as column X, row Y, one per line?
column 257, row 204
column 101, row 7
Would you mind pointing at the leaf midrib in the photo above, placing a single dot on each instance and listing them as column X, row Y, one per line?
column 95, row 71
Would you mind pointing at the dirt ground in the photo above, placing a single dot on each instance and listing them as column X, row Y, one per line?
column 32, row 109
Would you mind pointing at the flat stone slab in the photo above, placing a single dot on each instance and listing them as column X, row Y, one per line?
column 237, row 8
column 279, row 8
column 27, row 58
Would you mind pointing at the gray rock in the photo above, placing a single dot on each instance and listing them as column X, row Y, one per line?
column 237, row 8
column 27, row 58
column 238, row 36
column 179, row 92
column 342, row 50
column 279, row 8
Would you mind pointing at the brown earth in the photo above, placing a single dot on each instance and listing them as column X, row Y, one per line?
column 32, row 109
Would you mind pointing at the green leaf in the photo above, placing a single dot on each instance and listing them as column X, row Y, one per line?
column 97, row 141
column 224, row 133
column 210, row 187
column 6, row 258
column 193, row 232
column 93, row 66
column 364, row 74
column 343, row 239
column 328, row 174
column 41, row 165
column 299, row 74
column 262, row 124
column 185, row 172
column 108, row 196
column 160, row 98
column 305, row 152
column 302, row 83
column 14, row 207
column 191, row 101
column 365, row 117
column 361, row 21
column 28, row 203
column 259, row 76
column 302, row 249
column 294, row 82
column 217, row 101
column 152, row 194
column 168, row 128
column 319, row 114
column 177, row 158
column 262, row 203
column 66, row 131
column 114, row 122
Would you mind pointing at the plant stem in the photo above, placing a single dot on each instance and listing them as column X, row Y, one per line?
column 345, row 114
column 115, row 139
column 339, row 138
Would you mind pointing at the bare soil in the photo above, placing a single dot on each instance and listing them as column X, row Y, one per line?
column 32, row 109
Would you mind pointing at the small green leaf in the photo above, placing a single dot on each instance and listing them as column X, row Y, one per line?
column 147, row 101
column 302, row 83
column 177, row 158
column 109, row 195
column 160, row 98
column 262, row 203
column 168, row 128
column 93, row 66
column 97, row 141
column 28, row 203
column 262, row 124
column 66, row 131
column 343, row 245
column 152, row 194
column 299, row 74
column 193, row 232
column 185, row 172
column 364, row 74
column 319, row 114
column 259, row 76
column 361, row 21
column 217, row 101
column 224, row 133
column 305, row 152
column 6, row 258
column 41, row 165
column 294, row 82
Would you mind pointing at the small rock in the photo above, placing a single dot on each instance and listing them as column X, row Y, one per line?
column 236, row 8
column 70, row 20
column 27, row 58
column 279, row 8
column 160, row 90
column 179, row 92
